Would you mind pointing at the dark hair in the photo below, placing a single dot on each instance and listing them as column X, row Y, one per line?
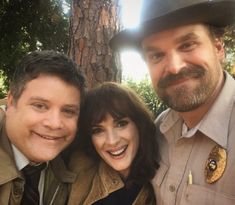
column 120, row 101
column 46, row 63
column 215, row 32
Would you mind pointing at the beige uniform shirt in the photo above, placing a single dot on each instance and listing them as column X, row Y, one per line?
column 188, row 152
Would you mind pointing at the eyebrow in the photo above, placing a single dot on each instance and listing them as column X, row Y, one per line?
column 186, row 37
column 38, row 98
column 151, row 49
column 47, row 101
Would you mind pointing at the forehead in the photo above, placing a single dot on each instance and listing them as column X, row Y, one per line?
column 176, row 34
column 51, row 88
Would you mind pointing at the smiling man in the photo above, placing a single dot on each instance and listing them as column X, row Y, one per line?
column 181, row 43
column 41, row 121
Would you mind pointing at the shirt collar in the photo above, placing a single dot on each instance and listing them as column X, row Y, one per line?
column 215, row 123
column 20, row 160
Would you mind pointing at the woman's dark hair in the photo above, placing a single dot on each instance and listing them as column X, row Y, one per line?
column 120, row 101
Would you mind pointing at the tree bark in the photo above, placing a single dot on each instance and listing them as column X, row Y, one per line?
column 92, row 24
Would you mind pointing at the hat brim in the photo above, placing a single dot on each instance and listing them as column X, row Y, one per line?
column 218, row 14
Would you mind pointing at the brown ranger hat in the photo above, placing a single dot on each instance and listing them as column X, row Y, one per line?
column 159, row 15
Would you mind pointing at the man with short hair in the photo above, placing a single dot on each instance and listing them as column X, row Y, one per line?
column 180, row 41
column 41, row 121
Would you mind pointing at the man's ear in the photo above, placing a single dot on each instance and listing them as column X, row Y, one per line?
column 10, row 99
column 219, row 46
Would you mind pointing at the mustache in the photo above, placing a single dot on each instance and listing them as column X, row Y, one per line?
column 186, row 72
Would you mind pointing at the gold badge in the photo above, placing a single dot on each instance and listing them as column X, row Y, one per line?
column 215, row 164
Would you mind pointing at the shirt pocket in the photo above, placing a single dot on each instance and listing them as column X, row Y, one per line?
column 195, row 194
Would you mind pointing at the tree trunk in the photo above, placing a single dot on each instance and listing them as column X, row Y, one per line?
column 93, row 23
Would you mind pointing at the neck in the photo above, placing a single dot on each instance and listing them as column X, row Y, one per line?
column 193, row 117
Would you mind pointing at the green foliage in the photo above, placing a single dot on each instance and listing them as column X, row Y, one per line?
column 28, row 25
column 229, row 41
column 145, row 90
column 3, row 92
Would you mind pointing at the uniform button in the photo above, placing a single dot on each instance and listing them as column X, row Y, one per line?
column 18, row 188
column 172, row 188
column 115, row 181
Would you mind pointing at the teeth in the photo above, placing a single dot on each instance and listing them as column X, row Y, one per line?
column 51, row 138
column 118, row 152
column 48, row 137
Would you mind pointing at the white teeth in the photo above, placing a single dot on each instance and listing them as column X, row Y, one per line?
column 118, row 152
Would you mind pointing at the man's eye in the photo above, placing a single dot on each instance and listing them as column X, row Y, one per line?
column 39, row 106
column 70, row 112
column 188, row 46
column 154, row 57
column 96, row 130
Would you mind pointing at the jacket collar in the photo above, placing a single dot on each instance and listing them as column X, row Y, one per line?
column 61, row 171
column 110, row 178
column 107, row 180
column 8, row 170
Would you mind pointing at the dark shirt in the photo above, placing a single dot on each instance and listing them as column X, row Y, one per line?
column 123, row 196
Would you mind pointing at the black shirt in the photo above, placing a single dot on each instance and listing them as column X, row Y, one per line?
column 123, row 196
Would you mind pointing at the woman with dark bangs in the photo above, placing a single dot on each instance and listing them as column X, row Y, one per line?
column 117, row 137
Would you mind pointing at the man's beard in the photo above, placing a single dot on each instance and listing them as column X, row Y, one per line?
column 182, row 98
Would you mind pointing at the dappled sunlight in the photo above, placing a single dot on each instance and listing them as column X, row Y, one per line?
column 133, row 66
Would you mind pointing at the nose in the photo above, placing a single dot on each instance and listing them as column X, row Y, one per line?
column 174, row 62
column 53, row 120
column 112, row 137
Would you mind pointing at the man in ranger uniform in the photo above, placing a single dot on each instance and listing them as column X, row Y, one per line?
column 180, row 41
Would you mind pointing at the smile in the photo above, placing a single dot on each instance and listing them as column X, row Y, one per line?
column 118, row 152
column 178, row 82
column 47, row 137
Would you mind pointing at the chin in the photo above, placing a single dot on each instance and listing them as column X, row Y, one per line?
column 45, row 158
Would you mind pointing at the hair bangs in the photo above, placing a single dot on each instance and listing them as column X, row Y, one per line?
column 114, row 105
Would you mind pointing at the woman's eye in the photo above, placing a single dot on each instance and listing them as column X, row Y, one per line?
column 96, row 130
column 122, row 123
